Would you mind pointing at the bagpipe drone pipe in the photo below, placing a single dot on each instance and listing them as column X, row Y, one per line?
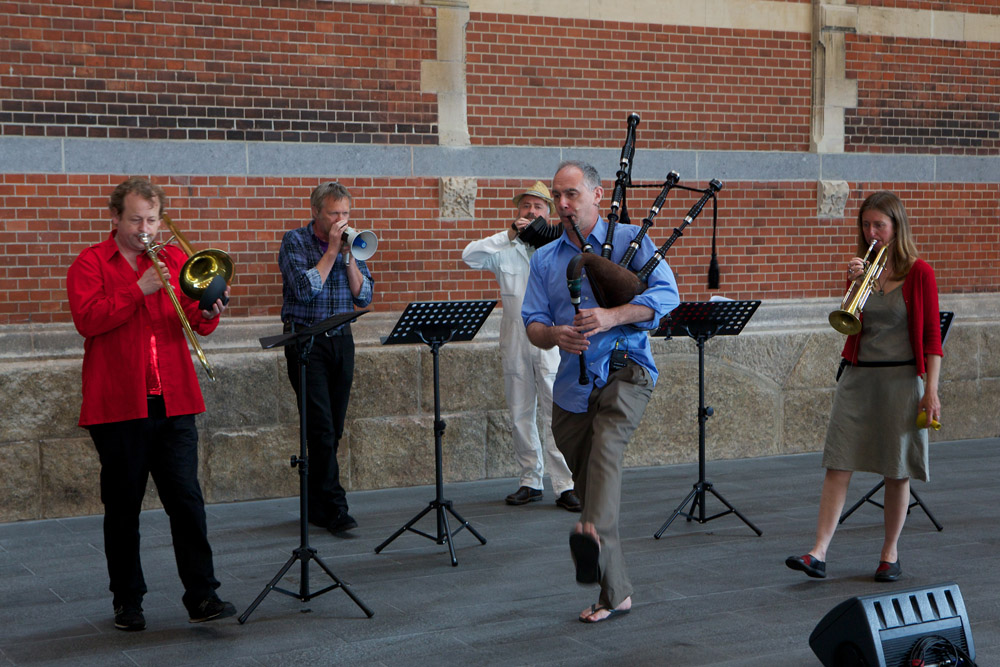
column 615, row 284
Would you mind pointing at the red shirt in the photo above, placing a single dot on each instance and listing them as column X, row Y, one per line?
column 920, row 295
column 114, row 316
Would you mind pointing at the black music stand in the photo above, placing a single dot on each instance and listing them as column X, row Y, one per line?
column 436, row 323
column 946, row 318
column 305, row 553
column 701, row 320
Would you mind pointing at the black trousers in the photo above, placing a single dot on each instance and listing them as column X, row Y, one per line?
column 167, row 449
column 329, row 375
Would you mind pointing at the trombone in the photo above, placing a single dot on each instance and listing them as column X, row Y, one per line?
column 847, row 319
column 204, row 276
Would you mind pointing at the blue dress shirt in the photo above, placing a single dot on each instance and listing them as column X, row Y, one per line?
column 547, row 301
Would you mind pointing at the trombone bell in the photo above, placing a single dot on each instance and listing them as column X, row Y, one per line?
column 206, row 273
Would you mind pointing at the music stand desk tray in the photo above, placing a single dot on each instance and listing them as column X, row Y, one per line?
column 707, row 318
column 332, row 322
column 443, row 321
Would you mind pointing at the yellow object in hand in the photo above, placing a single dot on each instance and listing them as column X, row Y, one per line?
column 922, row 421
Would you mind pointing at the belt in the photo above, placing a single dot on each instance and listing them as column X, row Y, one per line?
column 873, row 364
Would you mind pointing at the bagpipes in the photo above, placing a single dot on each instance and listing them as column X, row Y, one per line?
column 617, row 284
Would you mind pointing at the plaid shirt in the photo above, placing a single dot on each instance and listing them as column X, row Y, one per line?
column 307, row 299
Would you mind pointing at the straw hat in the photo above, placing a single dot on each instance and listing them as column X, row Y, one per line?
column 539, row 190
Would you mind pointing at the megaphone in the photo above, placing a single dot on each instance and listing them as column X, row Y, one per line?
column 363, row 244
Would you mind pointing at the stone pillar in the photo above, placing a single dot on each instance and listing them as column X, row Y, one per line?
column 832, row 92
column 446, row 75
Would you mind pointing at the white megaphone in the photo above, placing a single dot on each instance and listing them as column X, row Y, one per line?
column 363, row 244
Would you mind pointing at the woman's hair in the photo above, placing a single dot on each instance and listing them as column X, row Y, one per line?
column 904, row 251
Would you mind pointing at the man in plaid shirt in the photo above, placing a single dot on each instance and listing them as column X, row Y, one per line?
column 320, row 278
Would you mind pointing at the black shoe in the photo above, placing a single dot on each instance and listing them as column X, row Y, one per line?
column 809, row 564
column 129, row 618
column 210, row 609
column 568, row 501
column 344, row 521
column 524, row 495
column 888, row 571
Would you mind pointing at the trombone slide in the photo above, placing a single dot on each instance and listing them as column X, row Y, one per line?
column 151, row 251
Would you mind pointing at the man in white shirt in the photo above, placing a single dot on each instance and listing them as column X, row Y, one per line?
column 528, row 371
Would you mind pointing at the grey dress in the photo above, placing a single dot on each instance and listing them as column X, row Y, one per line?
column 873, row 423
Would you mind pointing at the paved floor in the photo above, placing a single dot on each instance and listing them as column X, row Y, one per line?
column 706, row 594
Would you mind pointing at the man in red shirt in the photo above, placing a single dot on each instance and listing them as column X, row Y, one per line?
column 140, row 396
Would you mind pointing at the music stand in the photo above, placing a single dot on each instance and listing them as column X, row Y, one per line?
column 436, row 323
column 701, row 320
column 945, row 319
column 305, row 553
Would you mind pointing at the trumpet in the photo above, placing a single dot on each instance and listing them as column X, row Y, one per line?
column 847, row 318
column 151, row 251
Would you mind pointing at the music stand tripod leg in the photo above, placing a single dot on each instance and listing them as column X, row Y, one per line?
column 678, row 511
column 271, row 585
column 918, row 501
column 446, row 535
column 340, row 584
column 304, row 553
column 867, row 498
column 466, row 524
column 735, row 511
column 441, row 506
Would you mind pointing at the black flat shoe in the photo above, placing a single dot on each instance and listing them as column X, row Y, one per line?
column 524, row 495
column 342, row 523
column 888, row 571
column 569, row 501
column 807, row 563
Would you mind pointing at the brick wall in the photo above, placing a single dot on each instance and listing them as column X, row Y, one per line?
column 770, row 243
column 923, row 96
column 255, row 71
column 555, row 82
column 350, row 73
column 970, row 6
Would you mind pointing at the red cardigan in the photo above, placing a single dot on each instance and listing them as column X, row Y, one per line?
column 924, row 321
column 110, row 311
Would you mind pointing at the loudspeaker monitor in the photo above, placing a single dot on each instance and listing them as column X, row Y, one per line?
column 880, row 630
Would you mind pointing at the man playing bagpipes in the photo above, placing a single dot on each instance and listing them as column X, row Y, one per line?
column 597, row 401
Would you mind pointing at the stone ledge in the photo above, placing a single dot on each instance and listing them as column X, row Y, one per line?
column 771, row 388
column 45, row 341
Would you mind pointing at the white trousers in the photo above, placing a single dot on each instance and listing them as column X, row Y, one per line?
column 529, row 395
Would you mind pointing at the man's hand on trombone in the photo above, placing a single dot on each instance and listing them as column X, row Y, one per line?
column 217, row 307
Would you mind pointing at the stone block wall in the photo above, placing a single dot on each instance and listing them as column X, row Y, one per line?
column 771, row 388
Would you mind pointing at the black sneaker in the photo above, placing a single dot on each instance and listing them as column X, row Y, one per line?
column 210, row 609
column 129, row 618
column 343, row 522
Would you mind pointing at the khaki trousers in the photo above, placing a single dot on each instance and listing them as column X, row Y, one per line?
column 593, row 443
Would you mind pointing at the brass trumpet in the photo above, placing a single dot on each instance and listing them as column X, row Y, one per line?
column 847, row 319
column 192, row 281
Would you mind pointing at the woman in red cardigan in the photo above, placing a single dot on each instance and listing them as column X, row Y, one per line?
column 890, row 375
